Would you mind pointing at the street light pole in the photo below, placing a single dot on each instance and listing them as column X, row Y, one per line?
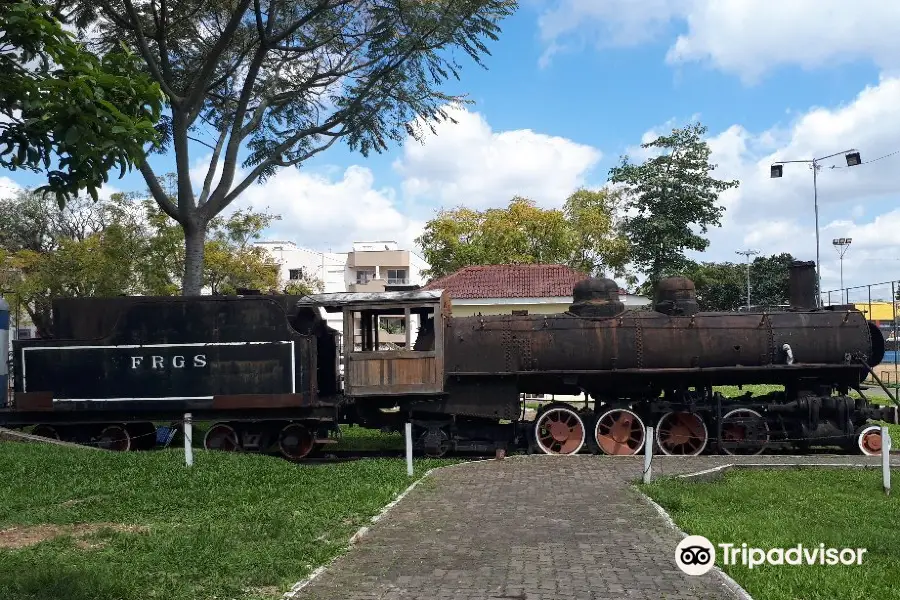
column 841, row 244
column 748, row 254
column 776, row 171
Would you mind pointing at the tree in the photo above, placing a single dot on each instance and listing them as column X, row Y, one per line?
column 770, row 279
column 720, row 286
column 59, row 100
column 581, row 235
column 723, row 286
column 305, row 286
column 92, row 252
column 593, row 216
column 668, row 194
column 282, row 80
column 232, row 261
column 118, row 246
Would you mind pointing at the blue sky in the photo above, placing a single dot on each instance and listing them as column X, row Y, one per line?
column 809, row 79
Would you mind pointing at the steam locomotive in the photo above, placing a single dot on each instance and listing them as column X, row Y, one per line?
column 272, row 375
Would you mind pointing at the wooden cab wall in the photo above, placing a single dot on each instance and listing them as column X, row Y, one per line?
column 378, row 362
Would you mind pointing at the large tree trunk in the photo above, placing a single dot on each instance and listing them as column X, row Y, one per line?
column 194, row 246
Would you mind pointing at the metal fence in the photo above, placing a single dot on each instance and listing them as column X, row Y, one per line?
column 881, row 306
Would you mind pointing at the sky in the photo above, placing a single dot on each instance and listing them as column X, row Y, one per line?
column 572, row 85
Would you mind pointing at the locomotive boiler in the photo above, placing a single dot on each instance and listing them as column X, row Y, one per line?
column 658, row 367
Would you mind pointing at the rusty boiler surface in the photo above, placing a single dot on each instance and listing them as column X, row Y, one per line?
column 651, row 340
column 826, row 336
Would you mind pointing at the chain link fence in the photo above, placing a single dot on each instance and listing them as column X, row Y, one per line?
column 879, row 302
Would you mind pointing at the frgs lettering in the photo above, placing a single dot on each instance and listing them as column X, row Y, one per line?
column 176, row 362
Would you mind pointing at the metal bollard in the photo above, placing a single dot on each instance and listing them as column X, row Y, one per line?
column 886, row 459
column 648, row 453
column 188, row 435
column 409, row 450
column 4, row 344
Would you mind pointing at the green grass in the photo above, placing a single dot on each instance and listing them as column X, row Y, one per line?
column 360, row 438
column 783, row 508
column 352, row 438
column 732, row 391
column 234, row 526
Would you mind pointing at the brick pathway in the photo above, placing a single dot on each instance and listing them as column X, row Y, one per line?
column 529, row 528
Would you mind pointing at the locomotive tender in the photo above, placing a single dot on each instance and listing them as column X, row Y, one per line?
column 267, row 371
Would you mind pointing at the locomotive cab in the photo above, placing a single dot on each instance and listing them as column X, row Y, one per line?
column 392, row 341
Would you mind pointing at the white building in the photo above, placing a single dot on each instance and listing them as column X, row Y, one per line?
column 302, row 263
column 368, row 267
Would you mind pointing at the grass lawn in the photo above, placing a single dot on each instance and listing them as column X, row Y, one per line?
column 783, row 508
column 234, row 526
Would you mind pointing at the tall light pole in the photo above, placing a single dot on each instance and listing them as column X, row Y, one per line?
column 748, row 254
column 853, row 159
column 841, row 244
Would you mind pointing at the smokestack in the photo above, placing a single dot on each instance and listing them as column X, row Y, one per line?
column 803, row 285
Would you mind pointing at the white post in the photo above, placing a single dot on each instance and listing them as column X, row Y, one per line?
column 648, row 453
column 886, row 459
column 409, row 465
column 188, row 440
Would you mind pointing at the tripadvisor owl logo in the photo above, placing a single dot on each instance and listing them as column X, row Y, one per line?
column 695, row 555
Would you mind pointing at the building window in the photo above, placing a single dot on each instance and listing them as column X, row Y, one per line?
column 397, row 277
column 296, row 274
column 364, row 276
column 24, row 333
column 392, row 325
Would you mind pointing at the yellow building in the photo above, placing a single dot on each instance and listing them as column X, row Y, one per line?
column 879, row 311
column 882, row 314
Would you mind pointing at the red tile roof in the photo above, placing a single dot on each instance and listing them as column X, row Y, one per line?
column 509, row 281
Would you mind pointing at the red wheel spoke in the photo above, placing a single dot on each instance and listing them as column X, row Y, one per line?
column 681, row 434
column 744, row 432
column 619, row 432
column 559, row 431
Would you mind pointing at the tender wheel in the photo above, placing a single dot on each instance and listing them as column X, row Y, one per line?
column 869, row 440
column 295, row 441
column 559, row 430
column 619, row 432
column 744, row 432
column 681, row 434
column 221, row 437
column 440, row 443
column 115, row 437
column 143, row 435
column 46, row 431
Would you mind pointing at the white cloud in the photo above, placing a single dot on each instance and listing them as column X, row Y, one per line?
column 862, row 202
column 470, row 163
column 8, row 187
column 604, row 23
column 466, row 163
column 322, row 212
column 737, row 36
